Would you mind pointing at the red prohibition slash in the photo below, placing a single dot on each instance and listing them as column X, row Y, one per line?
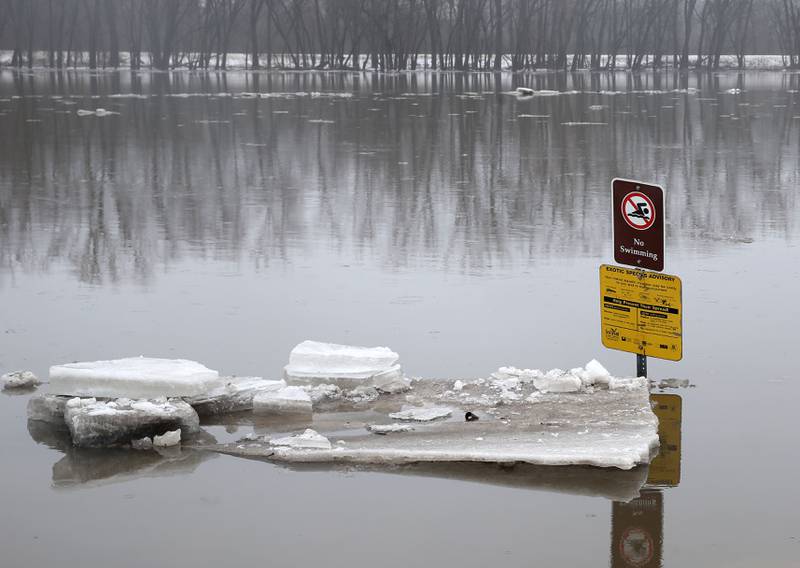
column 638, row 211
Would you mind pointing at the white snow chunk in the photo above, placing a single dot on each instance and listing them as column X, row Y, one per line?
column 133, row 377
column 286, row 400
column 596, row 373
column 19, row 380
column 558, row 381
column 235, row 395
column 168, row 439
column 458, row 385
column 312, row 361
column 384, row 429
column 422, row 414
column 309, row 439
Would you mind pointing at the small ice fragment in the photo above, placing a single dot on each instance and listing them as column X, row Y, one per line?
column 82, row 112
column 596, row 373
column 362, row 393
column 323, row 393
column 292, row 400
column 673, row 384
column 133, row 377
column 48, row 408
column 458, row 385
column 422, row 414
column 168, row 439
column 384, row 429
column 312, row 361
column 525, row 91
column 145, row 443
column 627, row 384
column 308, row 440
column 19, row 380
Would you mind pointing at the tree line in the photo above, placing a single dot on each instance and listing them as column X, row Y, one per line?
column 397, row 34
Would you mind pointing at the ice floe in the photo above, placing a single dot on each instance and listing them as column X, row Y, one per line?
column 384, row 429
column 288, row 400
column 422, row 414
column 19, row 380
column 235, row 395
column 133, row 377
column 308, row 440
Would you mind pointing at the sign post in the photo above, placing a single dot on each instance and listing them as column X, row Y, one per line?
column 640, row 312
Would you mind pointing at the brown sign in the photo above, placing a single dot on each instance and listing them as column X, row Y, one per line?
column 638, row 220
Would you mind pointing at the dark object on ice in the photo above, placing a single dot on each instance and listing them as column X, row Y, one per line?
column 470, row 417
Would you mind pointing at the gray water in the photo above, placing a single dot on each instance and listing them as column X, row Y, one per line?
column 427, row 213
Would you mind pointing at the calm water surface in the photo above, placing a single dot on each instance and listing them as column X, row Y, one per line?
column 433, row 213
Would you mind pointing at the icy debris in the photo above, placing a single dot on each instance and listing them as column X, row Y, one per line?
column 289, row 400
column 323, row 393
column 133, row 377
column 595, row 373
column 309, row 439
column 235, row 395
column 555, row 381
column 345, row 365
column 95, row 423
column 100, row 112
column 422, row 414
column 384, row 429
column 168, row 439
column 627, row 384
column 363, row 393
column 458, row 386
column 558, row 381
column 19, row 380
column 48, row 408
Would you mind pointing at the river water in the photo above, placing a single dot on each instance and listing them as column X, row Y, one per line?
column 436, row 214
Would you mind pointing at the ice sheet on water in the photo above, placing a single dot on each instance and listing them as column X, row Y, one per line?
column 308, row 440
column 313, row 361
column 133, row 377
column 605, row 421
column 94, row 423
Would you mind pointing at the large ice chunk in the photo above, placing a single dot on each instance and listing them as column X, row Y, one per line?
column 48, row 408
column 288, row 400
column 235, row 395
column 345, row 365
column 308, row 440
column 94, row 423
column 133, row 377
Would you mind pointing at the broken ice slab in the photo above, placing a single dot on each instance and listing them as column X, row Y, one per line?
column 133, row 377
column 95, row 423
column 48, row 408
column 288, row 400
column 607, row 424
column 234, row 395
column 343, row 365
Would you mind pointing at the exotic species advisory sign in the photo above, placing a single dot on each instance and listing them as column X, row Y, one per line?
column 641, row 312
column 638, row 221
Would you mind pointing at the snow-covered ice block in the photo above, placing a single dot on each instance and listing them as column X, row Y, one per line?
column 344, row 365
column 288, row 400
column 19, row 380
column 558, row 381
column 422, row 414
column 48, row 408
column 235, row 395
column 133, row 377
column 94, row 423
column 308, row 440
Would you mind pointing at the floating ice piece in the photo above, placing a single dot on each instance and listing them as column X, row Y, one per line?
column 384, row 429
column 345, row 365
column 100, row 112
column 391, row 384
column 674, row 384
column 133, row 377
column 290, row 400
column 362, row 393
column 308, row 440
column 422, row 414
column 323, row 393
column 145, row 443
column 94, row 424
column 167, row 440
column 235, row 395
column 458, row 386
column 48, row 408
column 734, row 91
column 19, row 380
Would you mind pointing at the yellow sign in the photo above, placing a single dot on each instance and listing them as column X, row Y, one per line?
column 665, row 469
column 641, row 312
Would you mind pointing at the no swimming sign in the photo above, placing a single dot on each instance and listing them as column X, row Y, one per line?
column 638, row 221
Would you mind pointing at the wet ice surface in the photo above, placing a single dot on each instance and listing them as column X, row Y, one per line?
column 182, row 228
